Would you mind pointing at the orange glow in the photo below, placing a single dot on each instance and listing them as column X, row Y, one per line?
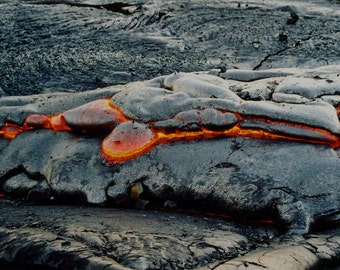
column 325, row 137
column 120, row 115
column 10, row 131
column 37, row 121
column 129, row 139
column 224, row 216
column 94, row 117
column 58, row 123
column 114, row 153
column 228, row 217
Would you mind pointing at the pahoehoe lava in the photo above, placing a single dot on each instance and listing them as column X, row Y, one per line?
column 143, row 123
column 217, row 121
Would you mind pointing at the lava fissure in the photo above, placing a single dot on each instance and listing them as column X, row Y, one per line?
column 129, row 139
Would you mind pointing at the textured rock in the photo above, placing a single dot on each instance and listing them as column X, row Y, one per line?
column 73, row 237
column 242, row 141
column 293, row 182
column 66, row 45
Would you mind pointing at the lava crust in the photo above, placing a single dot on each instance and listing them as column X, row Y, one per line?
column 279, row 139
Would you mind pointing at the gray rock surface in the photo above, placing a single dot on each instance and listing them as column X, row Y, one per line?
column 292, row 182
column 279, row 198
column 73, row 237
column 68, row 45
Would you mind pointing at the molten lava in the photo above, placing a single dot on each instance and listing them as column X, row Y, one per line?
column 129, row 139
column 10, row 131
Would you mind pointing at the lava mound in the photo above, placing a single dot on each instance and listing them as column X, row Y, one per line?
column 260, row 144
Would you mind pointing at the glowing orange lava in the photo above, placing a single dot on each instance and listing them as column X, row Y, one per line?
column 130, row 150
column 127, row 141
column 10, row 131
column 130, row 139
column 224, row 216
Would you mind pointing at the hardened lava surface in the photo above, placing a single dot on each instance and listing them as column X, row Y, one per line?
column 261, row 144
column 245, row 163
column 76, row 45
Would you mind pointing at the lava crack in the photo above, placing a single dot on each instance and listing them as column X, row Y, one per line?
column 127, row 139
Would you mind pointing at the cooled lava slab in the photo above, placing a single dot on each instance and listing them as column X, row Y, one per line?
column 253, row 155
column 77, row 45
column 73, row 237
column 255, row 144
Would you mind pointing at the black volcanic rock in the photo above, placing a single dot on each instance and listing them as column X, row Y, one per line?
column 294, row 183
column 232, row 202
column 67, row 45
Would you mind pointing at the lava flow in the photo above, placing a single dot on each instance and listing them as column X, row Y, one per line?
column 129, row 139
column 135, row 140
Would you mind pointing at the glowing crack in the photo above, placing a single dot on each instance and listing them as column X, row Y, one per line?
column 197, row 106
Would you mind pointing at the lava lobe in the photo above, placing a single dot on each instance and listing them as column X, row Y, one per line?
column 129, row 139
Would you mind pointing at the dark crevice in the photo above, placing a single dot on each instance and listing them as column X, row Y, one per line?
column 326, row 221
column 270, row 55
column 156, row 17
column 296, row 44
column 317, row 196
column 284, row 189
column 225, row 165
column 248, row 263
column 326, row 264
column 13, row 172
column 20, row 169
column 221, row 263
column 38, row 193
column 118, row 7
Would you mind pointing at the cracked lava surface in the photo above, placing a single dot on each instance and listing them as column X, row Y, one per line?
column 190, row 106
column 260, row 144
column 294, row 183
